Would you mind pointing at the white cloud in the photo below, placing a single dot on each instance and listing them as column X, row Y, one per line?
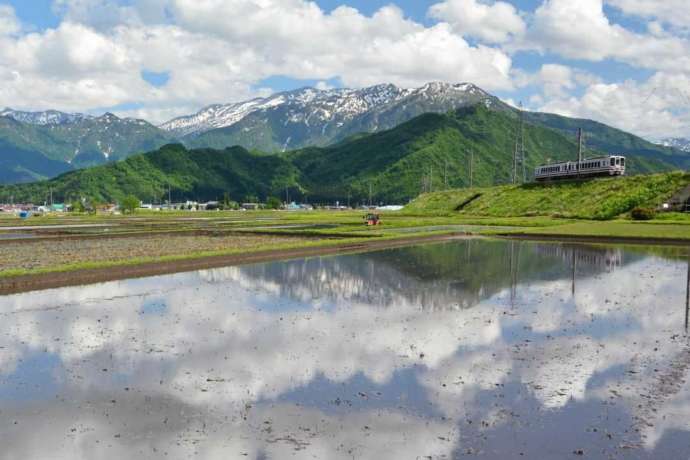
column 673, row 12
column 217, row 51
column 491, row 22
column 556, row 80
column 581, row 30
column 654, row 109
column 220, row 50
column 9, row 24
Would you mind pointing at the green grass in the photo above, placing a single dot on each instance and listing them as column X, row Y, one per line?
column 615, row 229
column 594, row 199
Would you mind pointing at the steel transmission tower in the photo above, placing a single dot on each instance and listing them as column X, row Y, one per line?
column 519, row 167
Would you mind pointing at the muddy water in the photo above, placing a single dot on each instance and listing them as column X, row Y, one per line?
column 494, row 350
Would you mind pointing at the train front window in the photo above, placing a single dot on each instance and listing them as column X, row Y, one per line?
column 622, row 161
column 613, row 162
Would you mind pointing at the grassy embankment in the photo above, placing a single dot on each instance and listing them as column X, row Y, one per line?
column 596, row 208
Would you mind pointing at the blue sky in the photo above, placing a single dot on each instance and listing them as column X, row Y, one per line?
column 624, row 62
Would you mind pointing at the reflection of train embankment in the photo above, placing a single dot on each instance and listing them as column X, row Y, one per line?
column 608, row 259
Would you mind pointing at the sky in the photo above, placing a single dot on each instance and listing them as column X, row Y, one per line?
column 623, row 62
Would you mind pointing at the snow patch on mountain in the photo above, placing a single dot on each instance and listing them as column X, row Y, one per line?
column 679, row 143
column 314, row 107
column 48, row 117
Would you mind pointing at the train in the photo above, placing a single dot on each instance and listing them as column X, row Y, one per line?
column 612, row 165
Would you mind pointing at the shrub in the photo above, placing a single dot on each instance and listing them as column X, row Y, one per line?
column 643, row 213
column 77, row 206
column 273, row 203
column 129, row 204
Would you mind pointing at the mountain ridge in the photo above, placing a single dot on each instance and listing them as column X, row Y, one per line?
column 394, row 164
column 291, row 120
column 680, row 143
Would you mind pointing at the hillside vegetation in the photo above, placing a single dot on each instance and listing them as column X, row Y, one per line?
column 430, row 151
column 592, row 199
column 395, row 162
column 202, row 174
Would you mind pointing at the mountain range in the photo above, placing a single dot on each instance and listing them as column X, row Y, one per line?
column 39, row 145
column 679, row 143
column 430, row 151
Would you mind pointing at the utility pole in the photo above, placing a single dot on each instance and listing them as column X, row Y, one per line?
column 169, row 196
column 522, row 143
column 580, row 142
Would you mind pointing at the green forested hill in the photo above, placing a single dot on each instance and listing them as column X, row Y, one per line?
column 396, row 162
column 392, row 164
column 202, row 174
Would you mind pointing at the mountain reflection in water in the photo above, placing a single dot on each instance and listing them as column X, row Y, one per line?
column 444, row 351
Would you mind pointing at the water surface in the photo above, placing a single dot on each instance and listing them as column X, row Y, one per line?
column 486, row 349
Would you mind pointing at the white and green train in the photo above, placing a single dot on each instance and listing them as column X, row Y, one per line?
column 612, row 165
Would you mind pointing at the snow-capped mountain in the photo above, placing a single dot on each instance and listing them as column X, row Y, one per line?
column 35, row 145
column 324, row 104
column 49, row 117
column 310, row 116
column 679, row 143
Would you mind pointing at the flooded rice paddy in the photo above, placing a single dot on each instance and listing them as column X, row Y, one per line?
column 470, row 349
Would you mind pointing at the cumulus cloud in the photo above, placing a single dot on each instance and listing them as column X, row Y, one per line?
column 217, row 51
column 655, row 108
column 581, row 30
column 673, row 12
column 556, row 80
column 493, row 23
column 8, row 21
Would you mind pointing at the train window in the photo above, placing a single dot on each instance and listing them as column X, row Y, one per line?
column 613, row 162
column 622, row 161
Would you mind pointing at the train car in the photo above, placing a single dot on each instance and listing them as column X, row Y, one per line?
column 613, row 165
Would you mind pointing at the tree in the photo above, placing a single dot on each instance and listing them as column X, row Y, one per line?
column 93, row 205
column 77, row 206
column 129, row 204
column 273, row 203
